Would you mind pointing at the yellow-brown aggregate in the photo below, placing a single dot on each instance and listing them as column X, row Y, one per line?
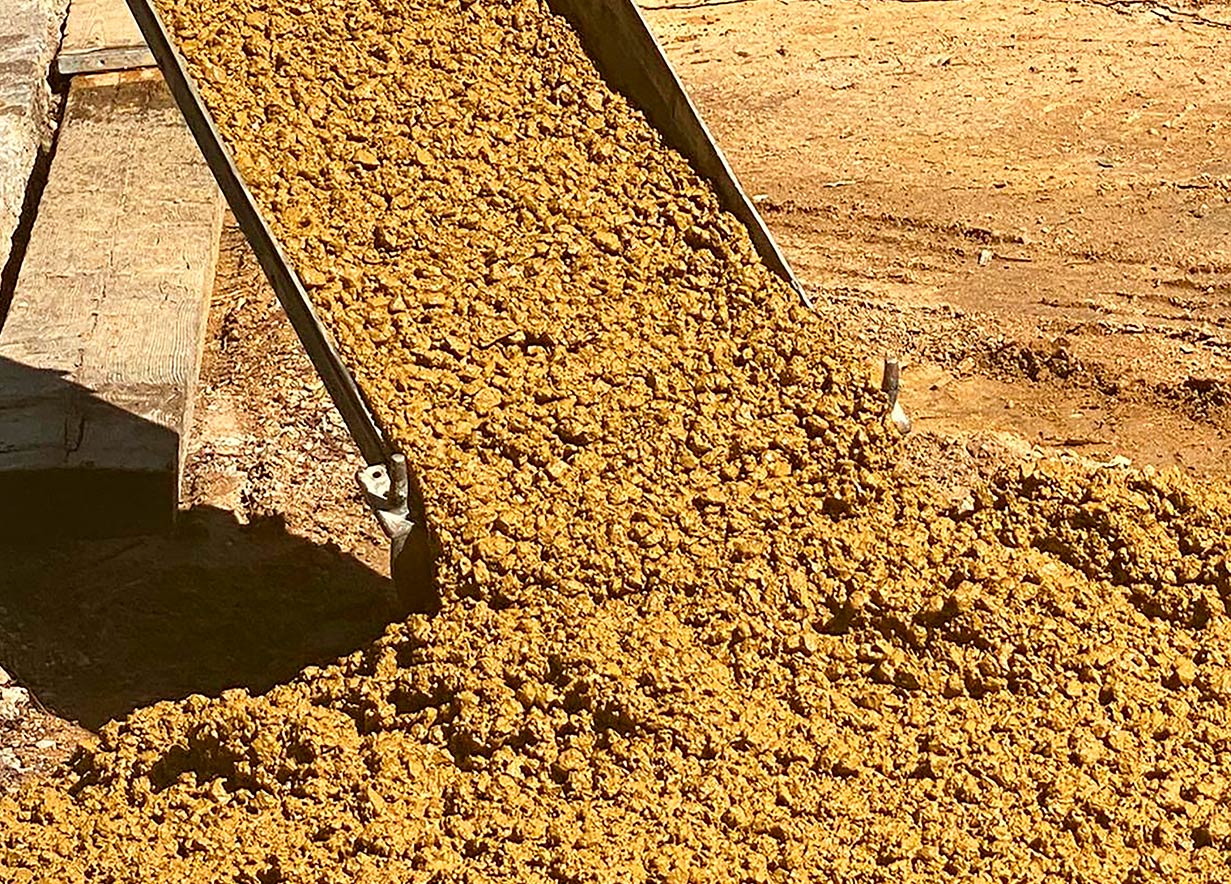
column 696, row 627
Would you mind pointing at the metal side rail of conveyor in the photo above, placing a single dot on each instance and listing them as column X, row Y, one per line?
column 618, row 40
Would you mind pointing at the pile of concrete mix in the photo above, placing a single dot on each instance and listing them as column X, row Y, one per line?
column 696, row 626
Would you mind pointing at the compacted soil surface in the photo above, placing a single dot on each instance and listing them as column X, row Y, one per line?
column 704, row 616
column 1031, row 201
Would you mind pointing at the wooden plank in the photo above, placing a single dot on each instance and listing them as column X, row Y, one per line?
column 111, row 58
column 29, row 35
column 100, row 35
column 101, row 350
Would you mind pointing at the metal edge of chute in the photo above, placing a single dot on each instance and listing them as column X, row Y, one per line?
column 618, row 40
column 385, row 481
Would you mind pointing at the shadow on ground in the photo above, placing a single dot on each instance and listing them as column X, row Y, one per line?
column 97, row 628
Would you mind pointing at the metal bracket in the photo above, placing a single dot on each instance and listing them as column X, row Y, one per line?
column 386, row 488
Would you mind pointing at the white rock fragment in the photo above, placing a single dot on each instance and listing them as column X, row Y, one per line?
column 900, row 420
column 13, row 701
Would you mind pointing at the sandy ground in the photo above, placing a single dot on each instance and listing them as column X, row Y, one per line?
column 1077, row 149
column 1083, row 147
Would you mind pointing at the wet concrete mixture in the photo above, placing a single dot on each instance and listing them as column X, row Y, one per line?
column 698, row 623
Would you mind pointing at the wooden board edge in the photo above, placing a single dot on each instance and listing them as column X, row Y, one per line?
column 193, row 383
column 112, row 58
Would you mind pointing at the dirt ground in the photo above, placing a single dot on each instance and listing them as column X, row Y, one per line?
column 1083, row 146
column 1029, row 202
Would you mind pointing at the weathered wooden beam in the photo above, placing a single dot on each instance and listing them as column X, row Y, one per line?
column 100, row 35
column 110, row 58
column 29, row 37
column 101, row 351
